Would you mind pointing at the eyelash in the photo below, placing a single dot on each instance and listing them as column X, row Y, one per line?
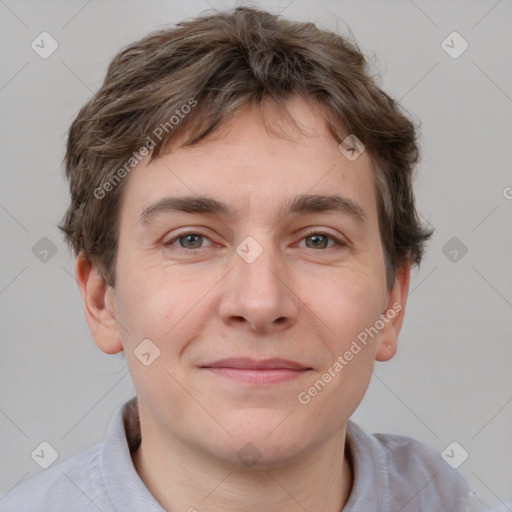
column 310, row 232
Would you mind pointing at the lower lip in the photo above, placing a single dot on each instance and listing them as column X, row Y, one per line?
column 258, row 376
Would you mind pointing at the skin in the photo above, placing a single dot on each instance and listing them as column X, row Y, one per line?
column 295, row 301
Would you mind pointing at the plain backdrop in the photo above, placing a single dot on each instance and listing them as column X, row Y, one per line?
column 451, row 378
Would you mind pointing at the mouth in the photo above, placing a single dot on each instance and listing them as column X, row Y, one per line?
column 268, row 371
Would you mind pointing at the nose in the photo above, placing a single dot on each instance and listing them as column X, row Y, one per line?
column 258, row 294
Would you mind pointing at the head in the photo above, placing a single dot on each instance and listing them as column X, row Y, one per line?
column 293, row 251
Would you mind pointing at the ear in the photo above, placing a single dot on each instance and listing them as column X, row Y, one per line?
column 99, row 306
column 393, row 314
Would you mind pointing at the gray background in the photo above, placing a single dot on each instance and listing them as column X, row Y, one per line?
column 451, row 379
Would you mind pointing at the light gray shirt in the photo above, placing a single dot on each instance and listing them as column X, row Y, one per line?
column 391, row 473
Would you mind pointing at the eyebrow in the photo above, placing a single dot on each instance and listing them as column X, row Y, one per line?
column 300, row 204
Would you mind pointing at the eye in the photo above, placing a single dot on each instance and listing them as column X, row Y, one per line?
column 320, row 240
column 190, row 241
column 187, row 241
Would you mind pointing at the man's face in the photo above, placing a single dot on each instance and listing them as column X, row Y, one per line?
column 262, row 284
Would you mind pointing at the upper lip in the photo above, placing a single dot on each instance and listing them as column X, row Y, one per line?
column 253, row 364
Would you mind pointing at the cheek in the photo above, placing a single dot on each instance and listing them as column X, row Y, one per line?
column 164, row 306
column 346, row 305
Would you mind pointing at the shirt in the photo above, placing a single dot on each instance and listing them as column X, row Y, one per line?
column 391, row 473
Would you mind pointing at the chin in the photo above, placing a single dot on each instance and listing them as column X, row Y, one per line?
column 260, row 455
column 262, row 440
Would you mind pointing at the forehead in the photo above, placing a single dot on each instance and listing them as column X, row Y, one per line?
column 248, row 167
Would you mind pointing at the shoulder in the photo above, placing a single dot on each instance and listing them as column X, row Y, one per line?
column 414, row 475
column 415, row 465
column 75, row 484
column 406, row 454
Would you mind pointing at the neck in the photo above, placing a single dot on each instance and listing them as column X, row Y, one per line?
column 180, row 478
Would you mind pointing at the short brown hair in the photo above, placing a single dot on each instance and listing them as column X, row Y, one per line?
column 215, row 65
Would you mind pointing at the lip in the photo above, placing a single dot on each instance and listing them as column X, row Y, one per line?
column 245, row 363
column 252, row 371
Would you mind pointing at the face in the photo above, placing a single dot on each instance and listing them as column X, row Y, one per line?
column 270, row 276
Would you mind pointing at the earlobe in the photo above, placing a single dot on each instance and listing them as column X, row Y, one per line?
column 99, row 306
column 393, row 315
